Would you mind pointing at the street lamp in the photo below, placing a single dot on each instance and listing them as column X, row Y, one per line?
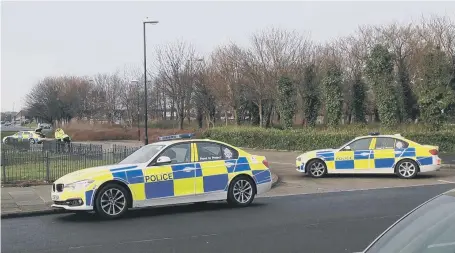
column 146, row 141
column 138, row 114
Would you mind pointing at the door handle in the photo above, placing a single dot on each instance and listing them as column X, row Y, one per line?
column 188, row 169
column 364, row 154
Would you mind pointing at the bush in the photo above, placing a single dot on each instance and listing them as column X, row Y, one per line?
column 310, row 138
column 103, row 132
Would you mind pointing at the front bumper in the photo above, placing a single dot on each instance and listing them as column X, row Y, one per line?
column 72, row 200
column 73, row 208
column 300, row 167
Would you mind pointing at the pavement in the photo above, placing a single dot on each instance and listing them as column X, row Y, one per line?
column 323, row 222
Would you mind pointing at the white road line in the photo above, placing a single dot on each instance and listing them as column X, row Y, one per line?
column 445, row 181
column 293, row 164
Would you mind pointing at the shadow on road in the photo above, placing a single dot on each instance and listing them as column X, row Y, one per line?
column 156, row 211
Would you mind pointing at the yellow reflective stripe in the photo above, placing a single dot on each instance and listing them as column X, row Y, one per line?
column 373, row 143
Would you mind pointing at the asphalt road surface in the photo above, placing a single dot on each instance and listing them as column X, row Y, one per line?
column 325, row 222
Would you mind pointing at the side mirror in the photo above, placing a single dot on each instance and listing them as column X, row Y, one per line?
column 163, row 160
column 347, row 148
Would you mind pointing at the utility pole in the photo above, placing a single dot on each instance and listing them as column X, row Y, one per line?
column 146, row 141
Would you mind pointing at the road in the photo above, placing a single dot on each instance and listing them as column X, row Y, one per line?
column 324, row 222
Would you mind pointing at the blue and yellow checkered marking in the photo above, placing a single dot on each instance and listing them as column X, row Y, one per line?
column 326, row 155
column 190, row 178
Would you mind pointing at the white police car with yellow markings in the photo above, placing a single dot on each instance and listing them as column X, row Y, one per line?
column 175, row 170
column 375, row 153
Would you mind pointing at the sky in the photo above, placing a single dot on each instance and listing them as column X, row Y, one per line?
column 52, row 38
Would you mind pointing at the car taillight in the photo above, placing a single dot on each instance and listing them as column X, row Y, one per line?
column 434, row 152
column 265, row 163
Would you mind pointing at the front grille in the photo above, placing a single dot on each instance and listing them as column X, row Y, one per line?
column 59, row 187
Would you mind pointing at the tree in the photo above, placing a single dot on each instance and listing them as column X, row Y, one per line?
column 333, row 95
column 286, row 101
column 379, row 70
column 436, row 94
column 358, row 103
column 309, row 92
column 175, row 65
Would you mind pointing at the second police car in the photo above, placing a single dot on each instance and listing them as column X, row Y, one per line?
column 175, row 170
column 375, row 153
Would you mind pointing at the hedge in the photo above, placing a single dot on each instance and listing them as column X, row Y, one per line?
column 310, row 139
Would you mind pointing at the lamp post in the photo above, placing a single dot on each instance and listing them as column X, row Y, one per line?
column 146, row 141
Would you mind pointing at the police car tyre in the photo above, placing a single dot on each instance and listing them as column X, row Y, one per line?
column 407, row 168
column 111, row 201
column 317, row 168
column 241, row 191
column 32, row 141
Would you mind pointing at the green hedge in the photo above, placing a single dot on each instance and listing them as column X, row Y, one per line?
column 310, row 139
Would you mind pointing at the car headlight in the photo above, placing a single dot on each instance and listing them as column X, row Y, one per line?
column 79, row 185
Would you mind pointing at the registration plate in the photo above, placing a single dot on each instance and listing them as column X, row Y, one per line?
column 54, row 197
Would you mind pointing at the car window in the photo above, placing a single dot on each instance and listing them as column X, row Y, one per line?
column 362, row 144
column 143, row 154
column 180, row 153
column 385, row 143
column 431, row 228
column 229, row 153
column 209, row 151
column 399, row 144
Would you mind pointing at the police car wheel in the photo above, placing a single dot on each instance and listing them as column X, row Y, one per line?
column 241, row 191
column 406, row 169
column 112, row 201
column 317, row 168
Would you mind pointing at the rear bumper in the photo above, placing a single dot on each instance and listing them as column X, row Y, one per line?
column 429, row 168
column 264, row 187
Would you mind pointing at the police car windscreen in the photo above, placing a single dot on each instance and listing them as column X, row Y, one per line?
column 143, row 154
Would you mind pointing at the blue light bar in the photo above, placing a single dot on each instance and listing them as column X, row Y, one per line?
column 374, row 133
column 176, row 137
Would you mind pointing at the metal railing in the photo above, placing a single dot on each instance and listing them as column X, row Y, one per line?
column 41, row 163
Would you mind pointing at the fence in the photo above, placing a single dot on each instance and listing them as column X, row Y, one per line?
column 32, row 163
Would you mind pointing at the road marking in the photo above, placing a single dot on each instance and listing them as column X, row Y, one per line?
column 283, row 163
column 351, row 190
column 447, row 182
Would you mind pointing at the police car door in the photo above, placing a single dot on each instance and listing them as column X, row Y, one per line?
column 174, row 179
column 355, row 156
column 211, row 172
column 384, row 154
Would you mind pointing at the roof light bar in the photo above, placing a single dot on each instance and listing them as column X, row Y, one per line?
column 374, row 133
column 176, row 137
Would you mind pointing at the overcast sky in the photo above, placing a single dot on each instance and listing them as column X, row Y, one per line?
column 40, row 39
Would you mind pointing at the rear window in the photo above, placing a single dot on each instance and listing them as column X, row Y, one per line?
column 429, row 229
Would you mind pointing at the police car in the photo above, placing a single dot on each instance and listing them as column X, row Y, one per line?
column 375, row 153
column 24, row 136
column 175, row 170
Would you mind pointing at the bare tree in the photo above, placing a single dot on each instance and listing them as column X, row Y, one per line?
column 175, row 69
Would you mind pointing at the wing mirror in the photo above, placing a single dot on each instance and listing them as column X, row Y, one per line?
column 163, row 160
column 347, row 148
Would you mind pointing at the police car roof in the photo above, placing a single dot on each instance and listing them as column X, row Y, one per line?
column 382, row 135
column 169, row 142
